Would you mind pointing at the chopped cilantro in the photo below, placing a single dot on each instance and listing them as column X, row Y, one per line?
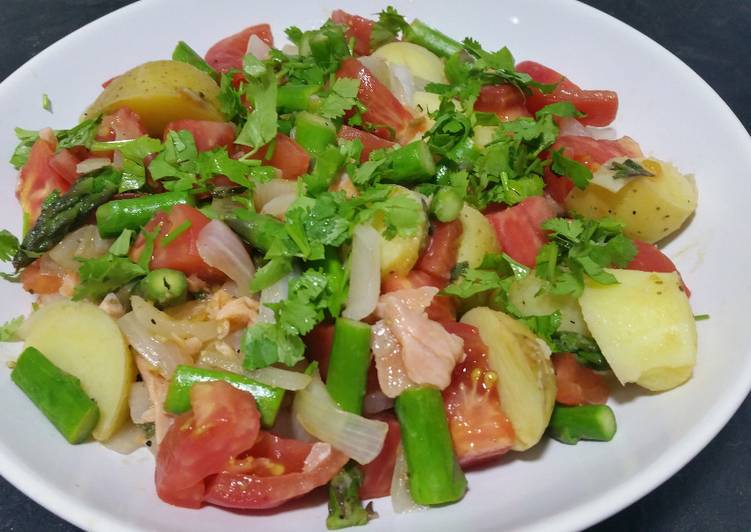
column 261, row 125
column 102, row 275
column 629, row 168
column 133, row 153
column 46, row 103
column 121, row 245
column 574, row 170
column 8, row 245
column 386, row 29
column 174, row 233
column 342, row 97
column 9, row 329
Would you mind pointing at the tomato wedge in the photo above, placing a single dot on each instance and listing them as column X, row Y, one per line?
column 64, row 164
column 358, row 28
column 505, row 100
column 440, row 256
column 288, row 156
column 385, row 112
column 650, row 259
column 207, row 134
column 36, row 282
column 224, row 422
column 274, row 471
column 182, row 252
column 519, row 230
column 229, row 52
column 600, row 106
column 318, row 343
column 577, row 384
column 123, row 124
column 370, row 142
column 479, row 428
column 377, row 474
column 38, row 179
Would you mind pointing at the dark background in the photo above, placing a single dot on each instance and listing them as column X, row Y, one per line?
column 714, row 38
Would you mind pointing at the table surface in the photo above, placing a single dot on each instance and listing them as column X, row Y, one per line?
column 712, row 37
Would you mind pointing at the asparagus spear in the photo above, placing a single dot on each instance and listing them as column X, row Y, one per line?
column 164, row 286
column 348, row 364
column 314, row 133
column 345, row 507
column 569, row 424
column 446, row 204
column 64, row 213
column 440, row 44
column 134, row 213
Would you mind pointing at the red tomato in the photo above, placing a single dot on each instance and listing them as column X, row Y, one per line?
column 506, row 101
column 319, row 342
column 384, row 110
column 588, row 151
column 377, row 474
column 207, row 133
column 229, row 52
column 577, row 384
column 479, row 428
column 36, row 282
column 519, row 230
column 599, row 106
column 650, row 259
column 369, row 141
column 443, row 308
column 123, row 124
column 182, row 253
column 440, row 257
column 273, row 472
column 224, row 422
column 38, row 179
column 288, row 156
column 64, row 164
column 358, row 28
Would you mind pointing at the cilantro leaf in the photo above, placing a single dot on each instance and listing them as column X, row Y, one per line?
column 562, row 109
column 26, row 139
column 265, row 344
column 9, row 329
column 341, row 98
column 544, row 326
column 46, row 103
column 8, row 245
column 121, row 245
column 585, row 349
column 230, row 99
column 133, row 153
column 261, row 126
column 388, row 26
column 574, row 170
column 186, row 54
column 102, row 275
column 473, row 282
column 628, row 168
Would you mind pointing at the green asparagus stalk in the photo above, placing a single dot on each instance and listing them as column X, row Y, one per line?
column 314, row 133
column 434, row 473
column 409, row 164
column 62, row 214
column 446, row 204
column 134, row 213
column 268, row 398
column 292, row 97
column 440, row 44
column 186, row 54
column 345, row 507
column 57, row 394
column 164, row 286
column 569, row 424
column 348, row 364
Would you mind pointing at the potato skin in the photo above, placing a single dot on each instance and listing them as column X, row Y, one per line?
column 160, row 92
column 651, row 207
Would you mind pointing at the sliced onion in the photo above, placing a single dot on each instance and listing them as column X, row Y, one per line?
column 571, row 126
column 84, row 242
column 91, row 164
column 48, row 135
column 278, row 206
column 214, row 359
column 257, row 48
column 378, row 67
column 357, row 437
column 164, row 356
column 365, row 276
column 376, row 402
column 222, row 249
column 127, row 440
column 403, row 84
column 140, row 403
column 281, row 378
column 273, row 294
column 47, row 266
column 160, row 323
column 401, row 499
column 290, row 49
column 265, row 192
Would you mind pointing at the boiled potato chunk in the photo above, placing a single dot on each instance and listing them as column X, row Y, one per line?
column 400, row 254
column 478, row 237
column 644, row 327
column 651, row 207
column 526, row 381
column 525, row 295
column 423, row 63
column 81, row 339
column 159, row 92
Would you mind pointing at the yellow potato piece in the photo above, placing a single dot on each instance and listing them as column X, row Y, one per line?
column 400, row 254
column 478, row 237
column 644, row 326
column 160, row 92
column 420, row 61
column 81, row 339
column 526, row 381
column 525, row 295
column 651, row 207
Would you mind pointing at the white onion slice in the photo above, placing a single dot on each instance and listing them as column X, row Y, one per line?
column 281, row 378
column 278, row 206
column 140, row 404
column 273, row 294
column 126, row 440
column 84, row 242
column 257, row 48
column 162, row 355
column 401, row 499
column 365, row 276
column 403, row 84
column 91, row 164
column 222, row 249
column 265, row 192
column 157, row 322
column 357, row 437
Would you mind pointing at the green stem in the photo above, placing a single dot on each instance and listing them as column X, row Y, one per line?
column 268, row 398
column 349, row 361
column 134, row 213
column 440, row 44
column 57, row 394
column 569, row 424
column 434, row 473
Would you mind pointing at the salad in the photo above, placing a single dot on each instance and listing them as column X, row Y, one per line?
column 367, row 261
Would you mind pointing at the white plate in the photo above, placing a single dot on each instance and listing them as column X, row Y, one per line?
column 664, row 105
